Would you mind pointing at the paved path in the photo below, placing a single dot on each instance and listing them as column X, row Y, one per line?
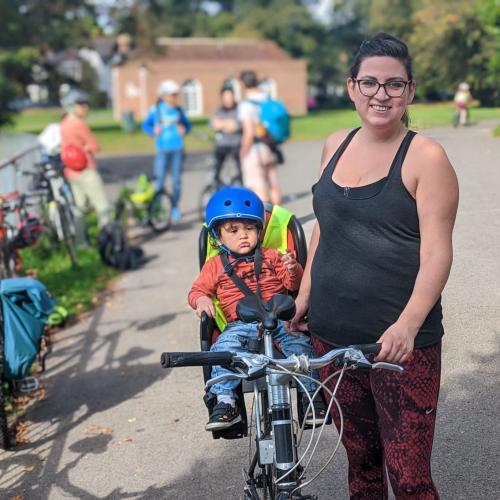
column 115, row 425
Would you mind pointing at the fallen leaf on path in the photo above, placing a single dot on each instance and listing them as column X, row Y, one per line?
column 96, row 430
column 131, row 420
column 22, row 430
column 28, row 468
column 125, row 440
column 17, row 497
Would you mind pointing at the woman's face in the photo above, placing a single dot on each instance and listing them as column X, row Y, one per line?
column 380, row 109
column 81, row 109
column 227, row 98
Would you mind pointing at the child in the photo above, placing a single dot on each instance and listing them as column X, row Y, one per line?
column 235, row 217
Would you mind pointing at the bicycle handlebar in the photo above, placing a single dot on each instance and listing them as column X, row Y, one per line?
column 353, row 356
column 177, row 359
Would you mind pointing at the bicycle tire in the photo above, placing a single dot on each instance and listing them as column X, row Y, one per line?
column 7, row 261
column 160, row 212
column 205, row 195
column 68, row 231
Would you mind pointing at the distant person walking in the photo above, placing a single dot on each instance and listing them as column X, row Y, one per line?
column 79, row 143
column 258, row 162
column 167, row 122
column 463, row 100
column 227, row 128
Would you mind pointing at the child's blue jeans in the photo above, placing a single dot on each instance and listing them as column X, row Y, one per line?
column 234, row 338
column 163, row 161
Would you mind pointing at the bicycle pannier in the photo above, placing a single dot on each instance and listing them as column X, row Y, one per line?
column 26, row 305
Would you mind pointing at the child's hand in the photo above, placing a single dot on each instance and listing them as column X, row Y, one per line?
column 205, row 304
column 289, row 262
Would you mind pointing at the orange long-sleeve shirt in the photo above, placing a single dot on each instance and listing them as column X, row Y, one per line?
column 75, row 131
column 214, row 282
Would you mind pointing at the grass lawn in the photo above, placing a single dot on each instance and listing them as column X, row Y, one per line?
column 316, row 125
column 75, row 288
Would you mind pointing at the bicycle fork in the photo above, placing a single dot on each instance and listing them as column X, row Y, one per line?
column 280, row 408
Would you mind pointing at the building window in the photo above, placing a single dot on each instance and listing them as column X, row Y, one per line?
column 192, row 98
column 268, row 86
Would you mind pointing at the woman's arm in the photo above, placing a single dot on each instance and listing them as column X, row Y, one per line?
column 436, row 195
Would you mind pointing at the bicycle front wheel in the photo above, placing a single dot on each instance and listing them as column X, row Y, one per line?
column 68, row 231
column 160, row 212
column 4, row 428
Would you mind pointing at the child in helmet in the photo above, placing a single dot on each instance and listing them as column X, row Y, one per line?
column 235, row 217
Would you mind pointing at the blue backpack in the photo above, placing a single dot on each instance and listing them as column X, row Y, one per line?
column 275, row 119
column 25, row 307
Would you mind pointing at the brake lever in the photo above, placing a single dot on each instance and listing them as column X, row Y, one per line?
column 227, row 376
column 388, row 366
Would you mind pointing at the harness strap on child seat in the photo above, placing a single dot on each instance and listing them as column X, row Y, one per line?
column 240, row 284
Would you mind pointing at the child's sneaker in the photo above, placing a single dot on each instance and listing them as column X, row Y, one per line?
column 320, row 410
column 176, row 215
column 223, row 416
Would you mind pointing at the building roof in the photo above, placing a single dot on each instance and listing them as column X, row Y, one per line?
column 183, row 49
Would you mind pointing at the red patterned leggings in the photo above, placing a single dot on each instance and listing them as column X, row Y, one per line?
column 389, row 420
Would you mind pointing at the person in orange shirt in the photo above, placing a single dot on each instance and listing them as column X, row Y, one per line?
column 86, row 183
column 235, row 217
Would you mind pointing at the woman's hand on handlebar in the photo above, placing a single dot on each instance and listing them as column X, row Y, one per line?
column 397, row 343
column 297, row 323
column 205, row 305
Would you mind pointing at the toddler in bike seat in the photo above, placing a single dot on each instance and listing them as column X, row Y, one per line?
column 235, row 219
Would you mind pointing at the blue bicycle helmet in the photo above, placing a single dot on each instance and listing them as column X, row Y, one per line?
column 234, row 203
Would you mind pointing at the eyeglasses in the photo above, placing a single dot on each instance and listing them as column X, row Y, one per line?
column 394, row 88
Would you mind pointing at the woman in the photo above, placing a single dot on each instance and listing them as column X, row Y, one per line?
column 86, row 183
column 379, row 257
column 227, row 128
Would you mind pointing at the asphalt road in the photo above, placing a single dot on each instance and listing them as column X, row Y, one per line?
column 115, row 425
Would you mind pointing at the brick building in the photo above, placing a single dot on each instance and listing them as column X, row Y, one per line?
column 200, row 66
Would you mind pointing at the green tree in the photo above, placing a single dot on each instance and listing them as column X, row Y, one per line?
column 451, row 44
column 392, row 16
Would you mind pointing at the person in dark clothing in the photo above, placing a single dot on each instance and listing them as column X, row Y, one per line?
column 227, row 130
column 379, row 257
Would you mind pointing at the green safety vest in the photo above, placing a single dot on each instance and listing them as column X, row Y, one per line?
column 276, row 237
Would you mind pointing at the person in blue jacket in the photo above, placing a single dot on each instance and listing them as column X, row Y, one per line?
column 167, row 122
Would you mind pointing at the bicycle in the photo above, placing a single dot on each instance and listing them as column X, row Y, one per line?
column 145, row 205
column 10, row 258
column 216, row 182
column 57, row 209
column 277, row 468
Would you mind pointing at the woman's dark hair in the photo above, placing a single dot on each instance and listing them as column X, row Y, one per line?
column 383, row 44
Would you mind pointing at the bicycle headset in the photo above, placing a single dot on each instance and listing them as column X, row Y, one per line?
column 234, row 202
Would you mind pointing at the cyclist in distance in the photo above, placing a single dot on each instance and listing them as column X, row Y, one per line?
column 86, row 183
column 168, row 124
column 379, row 257
column 235, row 218
column 227, row 130
column 462, row 100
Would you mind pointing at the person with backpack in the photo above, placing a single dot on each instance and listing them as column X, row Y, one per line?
column 78, row 149
column 260, row 116
column 235, row 218
column 168, row 124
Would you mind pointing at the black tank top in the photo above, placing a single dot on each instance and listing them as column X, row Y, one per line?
column 367, row 258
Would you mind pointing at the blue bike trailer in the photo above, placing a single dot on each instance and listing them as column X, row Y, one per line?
column 26, row 304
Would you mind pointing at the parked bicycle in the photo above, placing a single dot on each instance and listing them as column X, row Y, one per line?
column 19, row 229
column 217, row 181
column 278, row 465
column 57, row 203
column 144, row 205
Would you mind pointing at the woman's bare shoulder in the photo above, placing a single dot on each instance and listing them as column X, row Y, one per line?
column 332, row 142
column 429, row 152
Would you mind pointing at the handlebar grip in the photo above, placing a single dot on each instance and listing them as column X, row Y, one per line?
column 368, row 349
column 177, row 359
